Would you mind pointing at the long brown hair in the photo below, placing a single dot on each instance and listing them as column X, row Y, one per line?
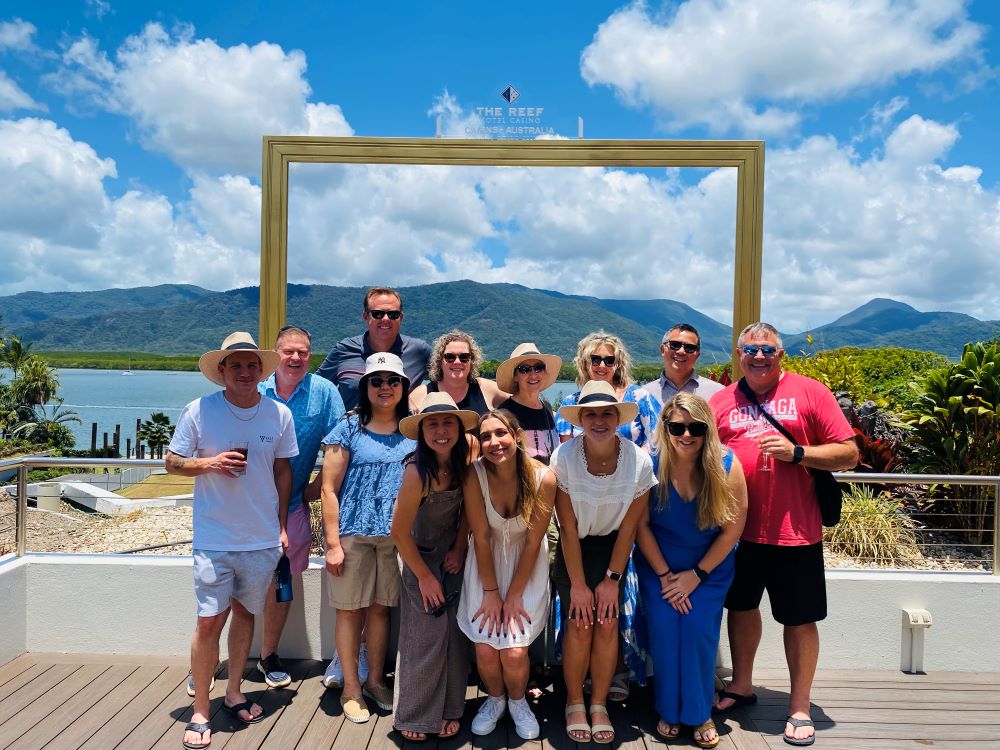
column 526, row 466
column 716, row 504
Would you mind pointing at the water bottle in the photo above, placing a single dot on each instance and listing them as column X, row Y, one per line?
column 283, row 580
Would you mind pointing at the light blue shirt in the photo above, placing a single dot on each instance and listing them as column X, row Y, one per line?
column 316, row 407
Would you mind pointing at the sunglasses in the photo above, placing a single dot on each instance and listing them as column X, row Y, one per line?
column 596, row 361
column 525, row 369
column 449, row 600
column 766, row 349
column 678, row 345
column 451, row 357
column 694, row 429
column 391, row 314
column 376, row 381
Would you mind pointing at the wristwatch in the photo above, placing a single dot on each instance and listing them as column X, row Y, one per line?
column 613, row 576
column 798, row 453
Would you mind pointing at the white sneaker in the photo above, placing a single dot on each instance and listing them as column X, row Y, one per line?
column 489, row 714
column 525, row 723
column 334, row 675
column 363, row 663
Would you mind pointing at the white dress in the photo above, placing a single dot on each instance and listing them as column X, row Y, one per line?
column 507, row 537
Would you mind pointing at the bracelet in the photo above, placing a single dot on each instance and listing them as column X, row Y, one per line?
column 702, row 575
column 486, row 590
column 663, row 574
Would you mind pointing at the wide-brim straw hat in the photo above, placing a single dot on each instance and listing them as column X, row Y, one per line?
column 527, row 353
column 594, row 395
column 240, row 341
column 386, row 362
column 437, row 402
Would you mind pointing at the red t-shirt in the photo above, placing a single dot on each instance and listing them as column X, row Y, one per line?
column 782, row 506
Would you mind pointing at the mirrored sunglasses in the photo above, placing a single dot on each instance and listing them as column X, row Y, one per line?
column 694, row 429
column 596, row 361
column 376, row 381
column 451, row 357
column 678, row 345
column 391, row 314
column 524, row 369
column 766, row 349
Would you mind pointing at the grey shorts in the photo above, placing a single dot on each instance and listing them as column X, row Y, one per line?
column 246, row 576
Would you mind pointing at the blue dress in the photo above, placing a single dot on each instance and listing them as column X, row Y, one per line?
column 684, row 647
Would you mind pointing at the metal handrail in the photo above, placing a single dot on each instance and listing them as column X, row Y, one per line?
column 24, row 463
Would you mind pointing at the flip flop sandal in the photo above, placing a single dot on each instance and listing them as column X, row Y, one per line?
column 597, row 708
column 805, row 741
column 244, row 706
column 413, row 740
column 573, row 708
column 619, row 689
column 708, row 726
column 669, row 736
column 200, row 728
column 738, row 701
column 447, row 735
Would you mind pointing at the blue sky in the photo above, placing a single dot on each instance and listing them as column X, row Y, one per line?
column 132, row 146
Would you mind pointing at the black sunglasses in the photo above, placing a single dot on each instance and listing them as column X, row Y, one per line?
column 376, row 381
column 766, row 349
column 694, row 429
column 525, row 369
column 449, row 600
column 451, row 357
column 391, row 314
column 678, row 345
column 596, row 361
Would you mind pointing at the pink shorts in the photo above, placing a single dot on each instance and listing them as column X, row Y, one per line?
column 299, row 538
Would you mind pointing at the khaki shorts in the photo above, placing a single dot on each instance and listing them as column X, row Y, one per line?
column 371, row 574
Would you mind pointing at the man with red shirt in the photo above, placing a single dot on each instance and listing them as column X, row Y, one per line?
column 781, row 550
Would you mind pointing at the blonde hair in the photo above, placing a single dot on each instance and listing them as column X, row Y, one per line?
column 434, row 372
column 716, row 504
column 527, row 485
column 622, row 376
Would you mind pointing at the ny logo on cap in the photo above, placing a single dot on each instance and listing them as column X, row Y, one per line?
column 381, row 360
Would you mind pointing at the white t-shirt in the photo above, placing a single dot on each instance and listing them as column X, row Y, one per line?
column 235, row 513
column 600, row 503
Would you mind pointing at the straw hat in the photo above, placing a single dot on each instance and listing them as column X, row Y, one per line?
column 437, row 403
column 386, row 362
column 240, row 341
column 527, row 353
column 595, row 394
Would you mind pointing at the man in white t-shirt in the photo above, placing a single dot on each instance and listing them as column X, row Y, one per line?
column 237, row 445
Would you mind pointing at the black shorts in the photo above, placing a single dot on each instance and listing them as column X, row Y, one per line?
column 793, row 577
column 596, row 552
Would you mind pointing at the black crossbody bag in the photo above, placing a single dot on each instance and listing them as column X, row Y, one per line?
column 829, row 492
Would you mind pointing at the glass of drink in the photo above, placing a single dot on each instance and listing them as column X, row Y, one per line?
column 242, row 447
column 764, row 460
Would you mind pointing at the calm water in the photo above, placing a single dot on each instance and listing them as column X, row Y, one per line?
column 109, row 398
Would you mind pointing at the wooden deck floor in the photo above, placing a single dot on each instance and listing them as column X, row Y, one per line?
column 63, row 701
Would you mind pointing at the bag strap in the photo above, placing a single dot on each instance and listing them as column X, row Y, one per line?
column 745, row 389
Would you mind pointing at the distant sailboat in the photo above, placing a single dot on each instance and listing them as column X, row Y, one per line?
column 129, row 370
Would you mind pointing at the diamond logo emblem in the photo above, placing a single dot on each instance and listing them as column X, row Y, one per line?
column 510, row 94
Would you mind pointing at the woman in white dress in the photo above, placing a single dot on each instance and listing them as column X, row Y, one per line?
column 505, row 595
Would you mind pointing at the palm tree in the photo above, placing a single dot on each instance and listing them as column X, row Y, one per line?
column 37, row 382
column 156, row 431
column 49, row 425
column 14, row 354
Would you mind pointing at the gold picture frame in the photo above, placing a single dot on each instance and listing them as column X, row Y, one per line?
column 280, row 151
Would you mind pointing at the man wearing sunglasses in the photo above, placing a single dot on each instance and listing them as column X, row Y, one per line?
column 680, row 349
column 382, row 312
column 781, row 549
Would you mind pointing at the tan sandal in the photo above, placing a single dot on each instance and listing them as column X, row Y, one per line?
column 597, row 708
column 573, row 708
column 700, row 731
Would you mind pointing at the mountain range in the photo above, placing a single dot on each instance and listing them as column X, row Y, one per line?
column 184, row 319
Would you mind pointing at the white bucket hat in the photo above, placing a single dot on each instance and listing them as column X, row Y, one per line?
column 240, row 341
column 437, row 402
column 595, row 394
column 526, row 353
column 386, row 362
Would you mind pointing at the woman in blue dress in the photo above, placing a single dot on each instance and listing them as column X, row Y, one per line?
column 687, row 539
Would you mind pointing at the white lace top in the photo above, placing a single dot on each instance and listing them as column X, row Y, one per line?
column 600, row 503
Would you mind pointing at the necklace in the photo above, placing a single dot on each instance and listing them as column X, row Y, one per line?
column 242, row 419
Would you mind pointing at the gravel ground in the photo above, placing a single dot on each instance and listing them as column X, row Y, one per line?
column 73, row 530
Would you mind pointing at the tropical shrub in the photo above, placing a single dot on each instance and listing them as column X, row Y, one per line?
column 873, row 528
column 156, row 431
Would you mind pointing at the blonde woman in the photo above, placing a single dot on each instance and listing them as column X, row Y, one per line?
column 687, row 536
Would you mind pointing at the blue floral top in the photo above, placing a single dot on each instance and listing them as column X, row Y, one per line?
column 633, row 431
column 373, row 478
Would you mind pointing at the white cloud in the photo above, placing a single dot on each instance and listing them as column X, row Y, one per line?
column 205, row 106
column 737, row 65
column 14, row 97
column 17, row 35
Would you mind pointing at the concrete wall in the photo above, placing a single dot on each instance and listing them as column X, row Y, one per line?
column 13, row 607
column 864, row 631
column 135, row 604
